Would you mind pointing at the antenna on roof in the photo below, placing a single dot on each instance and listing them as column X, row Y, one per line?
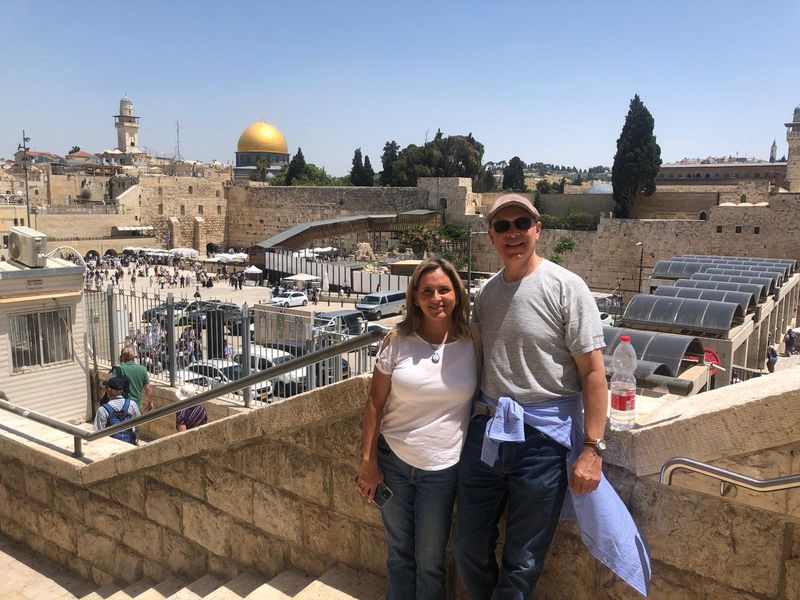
column 178, row 156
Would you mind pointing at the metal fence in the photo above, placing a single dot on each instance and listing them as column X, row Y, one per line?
column 209, row 343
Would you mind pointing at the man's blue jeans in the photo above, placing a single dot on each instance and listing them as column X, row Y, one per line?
column 416, row 523
column 529, row 477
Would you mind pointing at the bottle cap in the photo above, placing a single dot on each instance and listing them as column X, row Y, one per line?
column 624, row 338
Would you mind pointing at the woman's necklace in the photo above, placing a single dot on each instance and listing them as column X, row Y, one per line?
column 435, row 358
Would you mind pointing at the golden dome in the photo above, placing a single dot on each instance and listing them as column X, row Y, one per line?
column 262, row 137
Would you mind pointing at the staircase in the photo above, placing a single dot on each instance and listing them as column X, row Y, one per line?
column 28, row 576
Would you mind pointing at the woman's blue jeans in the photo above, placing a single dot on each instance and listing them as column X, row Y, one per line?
column 416, row 524
column 529, row 478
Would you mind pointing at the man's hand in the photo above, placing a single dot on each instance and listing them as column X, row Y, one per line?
column 585, row 476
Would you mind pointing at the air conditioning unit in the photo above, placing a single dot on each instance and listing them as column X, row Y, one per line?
column 27, row 246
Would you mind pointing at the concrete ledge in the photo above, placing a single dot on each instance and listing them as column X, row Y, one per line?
column 759, row 413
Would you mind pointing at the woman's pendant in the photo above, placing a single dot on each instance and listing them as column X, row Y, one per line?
column 435, row 357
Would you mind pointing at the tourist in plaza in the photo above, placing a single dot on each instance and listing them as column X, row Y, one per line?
column 192, row 417
column 537, row 427
column 790, row 339
column 138, row 378
column 415, row 422
column 772, row 358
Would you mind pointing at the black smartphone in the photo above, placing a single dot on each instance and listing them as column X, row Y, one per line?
column 382, row 494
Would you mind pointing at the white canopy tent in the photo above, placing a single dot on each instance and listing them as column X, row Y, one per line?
column 252, row 269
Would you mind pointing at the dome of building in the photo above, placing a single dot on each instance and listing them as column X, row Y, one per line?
column 600, row 188
column 262, row 137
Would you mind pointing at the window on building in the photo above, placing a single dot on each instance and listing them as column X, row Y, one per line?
column 199, row 209
column 40, row 339
column 743, row 198
column 442, row 203
column 160, row 191
column 738, row 229
column 217, row 193
column 191, row 190
column 707, row 175
column 719, row 228
column 161, row 209
column 703, row 216
column 756, row 230
column 36, row 192
column 183, row 209
column 219, row 209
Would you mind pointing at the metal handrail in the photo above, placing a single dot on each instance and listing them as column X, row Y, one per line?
column 301, row 362
column 776, row 484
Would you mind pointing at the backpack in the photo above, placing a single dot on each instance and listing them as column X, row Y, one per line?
column 119, row 416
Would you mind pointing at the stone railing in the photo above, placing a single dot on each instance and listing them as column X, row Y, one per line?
column 261, row 490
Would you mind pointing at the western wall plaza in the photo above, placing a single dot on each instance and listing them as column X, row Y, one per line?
column 259, row 502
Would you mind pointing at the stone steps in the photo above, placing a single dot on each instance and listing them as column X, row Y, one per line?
column 28, row 576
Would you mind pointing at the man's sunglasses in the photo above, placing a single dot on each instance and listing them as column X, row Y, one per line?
column 520, row 223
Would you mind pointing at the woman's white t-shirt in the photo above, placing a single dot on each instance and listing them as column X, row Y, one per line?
column 427, row 412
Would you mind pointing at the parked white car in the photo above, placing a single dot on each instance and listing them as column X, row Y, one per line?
column 216, row 372
column 262, row 358
column 289, row 299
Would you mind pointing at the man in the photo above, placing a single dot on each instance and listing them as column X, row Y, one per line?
column 542, row 342
column 138, row 378
column 189, row 418
column 117, row 409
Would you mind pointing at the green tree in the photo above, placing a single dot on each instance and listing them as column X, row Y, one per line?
column 388, row 158
column 514, row 175
column 453, row 232
column 357, row 172
column 297, row 168
column 637, row 160
column 419, row 238
column 368, row 172
column 262, row 169
column 74, row 149
column 486, row 182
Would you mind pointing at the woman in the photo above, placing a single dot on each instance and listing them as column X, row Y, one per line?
column 415, row 422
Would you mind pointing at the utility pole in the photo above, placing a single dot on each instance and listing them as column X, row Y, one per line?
column 24, row 147
column 641, row 265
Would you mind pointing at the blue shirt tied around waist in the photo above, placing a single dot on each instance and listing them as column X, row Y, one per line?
column 607, row 528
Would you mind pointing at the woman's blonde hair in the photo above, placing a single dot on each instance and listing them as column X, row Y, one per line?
column 414, row 321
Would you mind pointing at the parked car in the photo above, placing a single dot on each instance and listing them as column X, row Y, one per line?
column 297, row 349
column 262, row 358
column 289, row 299
column 375, row 346
column 194, row 306
column 221, row 371
column 348, row 322
column 198, row 318
column 159, row 313
column 606, row 319
column 380, row 304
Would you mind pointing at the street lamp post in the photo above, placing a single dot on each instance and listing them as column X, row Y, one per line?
column 641, row 265
column 470, row 233
column 24, row 147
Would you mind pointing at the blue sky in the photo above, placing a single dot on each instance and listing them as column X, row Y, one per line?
column 547, row 81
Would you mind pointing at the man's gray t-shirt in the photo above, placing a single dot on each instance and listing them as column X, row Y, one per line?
column 530, row 331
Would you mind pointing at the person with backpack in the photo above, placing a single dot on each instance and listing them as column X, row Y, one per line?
column 772, row 358
column 138, row 379
column 790, row 339
column 117, row 409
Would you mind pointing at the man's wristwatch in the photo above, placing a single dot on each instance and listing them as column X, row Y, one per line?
column 599, row 445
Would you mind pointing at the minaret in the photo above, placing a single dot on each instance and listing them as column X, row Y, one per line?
column 773, row 152
column 127, row 128
column 793, row 159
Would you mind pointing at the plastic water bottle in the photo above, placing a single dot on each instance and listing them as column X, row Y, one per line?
column 623, row 385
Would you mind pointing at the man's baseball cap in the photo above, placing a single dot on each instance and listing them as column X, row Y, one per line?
column 117, row 383
column 507, row 200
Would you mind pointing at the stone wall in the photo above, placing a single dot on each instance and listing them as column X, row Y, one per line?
column 196, row 206
column 65, row 189
column 259, row 211
column 272, row 488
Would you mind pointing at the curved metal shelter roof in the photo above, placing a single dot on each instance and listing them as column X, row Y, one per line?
column 743, row 299
column 768, row 283
column 758, row 292
column 790, row 262
column 657, row 351
column 775, row 274
column 767, row 264
column 673, row 269
column 682, row 315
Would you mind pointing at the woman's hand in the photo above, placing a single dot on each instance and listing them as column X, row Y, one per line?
column 369, row 476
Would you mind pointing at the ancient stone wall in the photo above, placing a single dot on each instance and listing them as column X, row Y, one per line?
column 186, row 199
column 65, row 189
column 258, row 211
